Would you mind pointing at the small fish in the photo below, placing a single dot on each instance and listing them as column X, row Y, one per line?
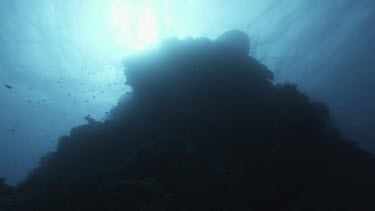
column 17, row 124
column 87, row 101
column 69, row 94
column 93, row 96
column 8, row 86
column 29, row 101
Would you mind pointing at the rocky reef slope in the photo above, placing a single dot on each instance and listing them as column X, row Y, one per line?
column 204, row 129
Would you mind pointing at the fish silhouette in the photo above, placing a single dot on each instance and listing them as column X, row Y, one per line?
column 8, row 86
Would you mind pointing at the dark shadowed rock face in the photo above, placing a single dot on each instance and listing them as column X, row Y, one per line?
column 237, row 40
column 6, row 193
column 206, row 129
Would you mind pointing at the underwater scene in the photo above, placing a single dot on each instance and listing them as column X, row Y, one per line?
column 187, row 105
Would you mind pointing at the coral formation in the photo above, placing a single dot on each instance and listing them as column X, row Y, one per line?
column 205, row 129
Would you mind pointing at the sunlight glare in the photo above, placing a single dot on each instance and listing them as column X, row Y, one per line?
column 134, row 25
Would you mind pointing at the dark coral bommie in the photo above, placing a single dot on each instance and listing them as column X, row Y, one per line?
column 205, row 129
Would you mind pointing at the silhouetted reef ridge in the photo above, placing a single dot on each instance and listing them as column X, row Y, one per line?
column 205, row 129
